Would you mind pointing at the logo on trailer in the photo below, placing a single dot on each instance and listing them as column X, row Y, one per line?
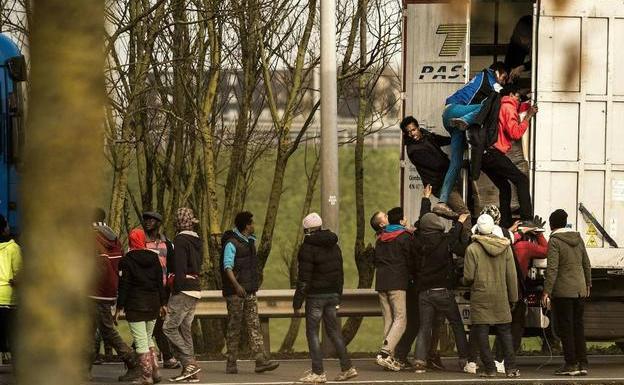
column 455, row 35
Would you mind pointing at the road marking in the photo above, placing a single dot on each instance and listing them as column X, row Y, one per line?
column 562, row 379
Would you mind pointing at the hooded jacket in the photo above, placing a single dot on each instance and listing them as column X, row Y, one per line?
column 109, row 253
column 427, row 156
column 476, row 90
column 392, row 255
column 10, row 266
column 510, row 129
column 568, row 273
column 490, row 271
column 141, row 289
column 320, row 266
column 186, row 262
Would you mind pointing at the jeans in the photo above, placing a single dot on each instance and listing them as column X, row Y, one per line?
column 518, row 318
column 482, row 335
column 413, row 324
column 7, row 322
column 246, row 309
column 106, row 327
column 458, row 142
column 501, row 170
column 142, row 334
column 439, row 301
column 393, row 311
column 570, row 328
column 177, row 326
column 324, row 308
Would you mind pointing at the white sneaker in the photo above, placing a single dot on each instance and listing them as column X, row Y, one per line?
column 389, row 363
column 347, row 375
column 500, row 366
column 471, row 367
column 312, row 378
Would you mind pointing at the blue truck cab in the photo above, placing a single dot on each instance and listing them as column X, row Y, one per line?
column 12, row 82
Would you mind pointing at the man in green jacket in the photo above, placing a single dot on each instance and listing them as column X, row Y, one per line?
column 490, row 272
column 568, row 283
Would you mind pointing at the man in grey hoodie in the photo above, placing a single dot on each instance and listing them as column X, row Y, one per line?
column 568, row 283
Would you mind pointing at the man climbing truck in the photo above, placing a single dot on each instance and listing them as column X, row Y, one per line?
column 572, row 154
column 12, row 76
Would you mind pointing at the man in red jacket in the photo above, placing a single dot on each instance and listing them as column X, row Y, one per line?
column 498, row 167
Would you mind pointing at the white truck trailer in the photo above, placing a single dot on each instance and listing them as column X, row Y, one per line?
column 574, row 149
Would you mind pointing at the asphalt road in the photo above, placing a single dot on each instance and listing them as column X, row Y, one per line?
column 603, row 370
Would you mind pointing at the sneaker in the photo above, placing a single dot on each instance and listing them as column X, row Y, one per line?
column 471, row 368
column 420, row 367
column 435, row 363
column 513, row 373
column 171, row 363
column 443, row 210
column 266, row 366
column 500, row 366
column 388, row 362
column 347, row 375
column 458, row 123
column 583, row 368
column 188, row 372
column 406, row 365
column 488, row 373
column 568, row 370
column 192, row 379
column 312, row 378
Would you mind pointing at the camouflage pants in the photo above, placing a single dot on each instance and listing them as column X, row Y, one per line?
column 247, row 309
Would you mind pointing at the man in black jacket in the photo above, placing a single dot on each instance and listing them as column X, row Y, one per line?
column 392, row 254
column 424, row 150
column 319, row 283
column 435, row 272
column 183, row 279
column 239, row 274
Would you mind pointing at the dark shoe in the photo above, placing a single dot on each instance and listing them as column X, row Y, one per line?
column 231, row 367
column 443, row 210
column 145, row 363
column 171, row 363
column 99, row 360
column 488, row 373
column 188, row 372
column 568, row 370
column 436, row 363
column 420, row 367
column 155, row 372
column 513, row 373
column 266, row 366
column 406, row 365
column 583, row 368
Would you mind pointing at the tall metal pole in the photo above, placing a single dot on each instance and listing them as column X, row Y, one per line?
column 329, row 114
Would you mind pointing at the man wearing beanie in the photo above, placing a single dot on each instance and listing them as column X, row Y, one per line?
column 568, row 283
column 490, row 272
column 392, row 252
column 319, row 284
column 435, row 277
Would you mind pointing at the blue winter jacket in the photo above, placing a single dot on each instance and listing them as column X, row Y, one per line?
column 469, row 94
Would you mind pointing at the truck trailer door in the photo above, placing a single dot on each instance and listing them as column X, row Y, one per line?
column 435, row 64
column 578, row 140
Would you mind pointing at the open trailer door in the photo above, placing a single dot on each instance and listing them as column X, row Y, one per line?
column 578, row 141
column 435, row 64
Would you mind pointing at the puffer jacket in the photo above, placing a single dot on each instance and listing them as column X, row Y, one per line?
column 568, row 273
column 490, row 271
column 393, row 252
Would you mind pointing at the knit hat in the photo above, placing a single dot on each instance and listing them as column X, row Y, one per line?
column 492, row 211
column 185, row 219
column 152, row 214
column 485, row 224
column 312, row 221
column 558, row 219
column 430, row 223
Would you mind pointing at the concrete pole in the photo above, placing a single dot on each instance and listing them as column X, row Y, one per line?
column 329, row 115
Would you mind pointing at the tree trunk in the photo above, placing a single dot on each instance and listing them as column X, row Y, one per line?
column 60, row 159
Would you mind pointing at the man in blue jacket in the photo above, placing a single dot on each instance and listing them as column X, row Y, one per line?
column 460, row 112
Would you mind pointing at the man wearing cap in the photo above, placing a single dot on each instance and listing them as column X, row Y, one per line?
column 490, row 272
column 149, row 236
column 568, row 283
column 183, row 281
column 239, row 274
column 319, row 284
